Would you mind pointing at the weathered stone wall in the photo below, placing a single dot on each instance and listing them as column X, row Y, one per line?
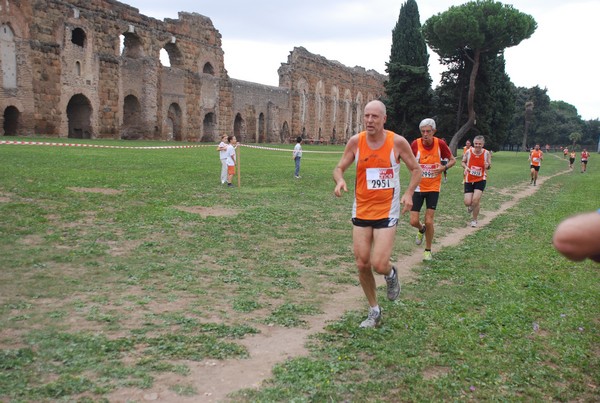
column 328, row 97
column 92, row 68
column 265, row 111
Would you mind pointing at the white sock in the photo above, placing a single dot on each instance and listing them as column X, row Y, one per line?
column 375, row 308
column 392, row 273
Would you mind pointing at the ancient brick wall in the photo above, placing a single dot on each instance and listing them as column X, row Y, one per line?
column 263, row 112
column 327, row 97
column 92, row 68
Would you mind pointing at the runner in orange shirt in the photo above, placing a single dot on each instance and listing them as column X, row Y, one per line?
column 377, row 201
column 467, row 146
column 571, row 159
column 429, row 151
column 536, row 156
column 476, row 163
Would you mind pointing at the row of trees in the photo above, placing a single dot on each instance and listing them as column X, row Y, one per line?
column 475, row 95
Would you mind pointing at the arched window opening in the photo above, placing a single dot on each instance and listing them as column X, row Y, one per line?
column 174, row 114
column 78, row 68
column 208, row 69
column 165, row 61
column 173, row 54
column 78, row 37
column 79, row 113
column 169, row 128
column 208, row 127
column 131, row 46
column 239, row 128
column 261, row 128
column 132, row 119
column 11, row 121
column 285, row 133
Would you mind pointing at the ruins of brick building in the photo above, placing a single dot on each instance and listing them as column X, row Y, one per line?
column 92, row 69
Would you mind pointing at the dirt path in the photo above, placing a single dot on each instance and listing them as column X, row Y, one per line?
column 215, row 379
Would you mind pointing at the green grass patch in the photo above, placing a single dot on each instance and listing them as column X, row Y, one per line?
column 121, row 264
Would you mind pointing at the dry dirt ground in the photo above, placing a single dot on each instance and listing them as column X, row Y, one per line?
column 215, row 379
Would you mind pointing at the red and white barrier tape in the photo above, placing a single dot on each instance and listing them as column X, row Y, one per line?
column 45, row 143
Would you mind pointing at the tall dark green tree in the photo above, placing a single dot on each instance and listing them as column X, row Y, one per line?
column 408, row 89
column 472, row 30
column 566, row 121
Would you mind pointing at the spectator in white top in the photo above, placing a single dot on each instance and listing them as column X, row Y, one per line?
column 222, row 149
column 297, row 155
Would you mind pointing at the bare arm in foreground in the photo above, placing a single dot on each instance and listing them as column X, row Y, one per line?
column 578, row 237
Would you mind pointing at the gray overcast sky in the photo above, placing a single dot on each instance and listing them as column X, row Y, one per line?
column 257, row 36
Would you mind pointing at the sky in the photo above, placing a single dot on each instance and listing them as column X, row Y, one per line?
column 562, row 55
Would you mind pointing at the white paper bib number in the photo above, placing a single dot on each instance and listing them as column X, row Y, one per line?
column 380, row 178
column 476, row 171
column 427, row 170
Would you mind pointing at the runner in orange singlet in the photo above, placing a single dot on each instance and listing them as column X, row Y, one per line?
column 536, row 156
column 585, row 155
column 571, row 159
column 429, row 151
column 377, row 154
column 476, row 163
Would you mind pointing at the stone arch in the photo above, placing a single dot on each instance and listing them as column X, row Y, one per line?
column 174, row 120
column 359, row 113
column 320, row 103
column 261, row 128
column 209, row 69
column 79, row 114
column 303, row 91
column 131, row 46
column 12, row 121
column 284, row 135
column 208, row 127
column 347, row 114
column 8, row 54
column 78, row 37
column 132, row 118
column 174, row 54
column 239, row 127
column 335, row 98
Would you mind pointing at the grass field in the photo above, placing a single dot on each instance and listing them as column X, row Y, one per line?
column 120, row 264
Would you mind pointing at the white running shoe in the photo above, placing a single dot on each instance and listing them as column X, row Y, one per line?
column 474, row 223
column 373, row 320
column 420, row 234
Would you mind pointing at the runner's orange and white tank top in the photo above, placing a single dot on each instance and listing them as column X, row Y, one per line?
column 536, row 158
column 476, row 165
column 429, row 160
column 377, row 190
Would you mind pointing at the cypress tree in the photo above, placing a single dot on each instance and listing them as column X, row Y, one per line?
column 408, row 89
